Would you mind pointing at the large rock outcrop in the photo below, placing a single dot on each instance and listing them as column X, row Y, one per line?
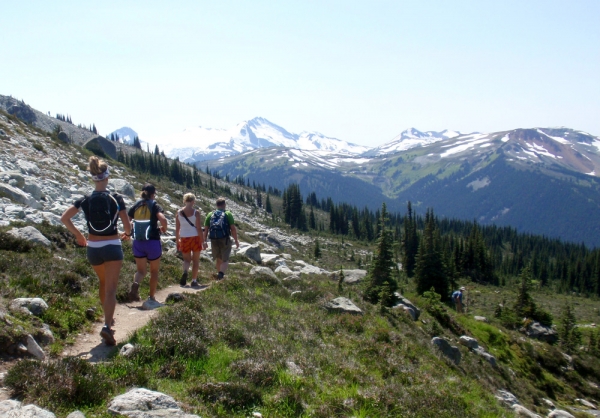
column 101, row 145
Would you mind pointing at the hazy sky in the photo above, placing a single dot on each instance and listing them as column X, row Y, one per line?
column 359, row 71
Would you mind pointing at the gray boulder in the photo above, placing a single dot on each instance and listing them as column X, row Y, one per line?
column 262, row 271
column 23, row 112
column 407, row 310
column 27, row 167
column 76, row 414
column 144, row 403
column 15, row 409
column 62, row 135
column 18, row 196
column 480, row 318
column 405, row 302
column 35, row 306
column 44, row 335
column 506, row 397
column 586, row 403
column 29, row 233
column 252, row 252
column 490, row 358
column 521, row 411
column 350, row 276
column 34, row 349
column 33, row 189
column 559, row 413
column 541, row 332
column 126, row 350
column 468, row 342
column 452, row 352
column 99, row 145
column 284, row 270
column 123, row 187
column 344, row 305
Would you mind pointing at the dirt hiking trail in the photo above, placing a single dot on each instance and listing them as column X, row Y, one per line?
column 128, row 318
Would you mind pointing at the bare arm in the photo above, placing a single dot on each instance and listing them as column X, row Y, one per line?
column 234, row 235
column 163, row 222
column 177, row 227
column 66, row 220
column 205, row 235
column 199, row 227
column 126, row 224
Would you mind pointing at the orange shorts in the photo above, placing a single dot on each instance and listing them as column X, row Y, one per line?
column 190, row 244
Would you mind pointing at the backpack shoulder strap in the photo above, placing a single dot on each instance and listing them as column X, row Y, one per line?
column 186, row 218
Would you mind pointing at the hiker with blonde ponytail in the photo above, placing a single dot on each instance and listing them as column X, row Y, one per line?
column 102, row 211
column 188, row 233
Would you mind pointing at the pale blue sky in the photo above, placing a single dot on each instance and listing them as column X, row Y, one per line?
column 359, row 71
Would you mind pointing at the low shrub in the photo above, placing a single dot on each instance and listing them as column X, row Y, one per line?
column 257, row 372
column 232, row 396
column 9, row 242
column 70, row 382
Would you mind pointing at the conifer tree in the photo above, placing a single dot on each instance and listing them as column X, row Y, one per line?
column 410, row 244
column 568, row 333
column 312, row 224
column 430, row 270
column 381, row 269
column 317, row 251
column 268, row 207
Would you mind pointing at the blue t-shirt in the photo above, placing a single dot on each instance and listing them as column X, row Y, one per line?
column 457, row 294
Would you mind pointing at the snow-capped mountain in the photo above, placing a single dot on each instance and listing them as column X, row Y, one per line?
column 125, row 135
column 411, row 138
column 200, row 143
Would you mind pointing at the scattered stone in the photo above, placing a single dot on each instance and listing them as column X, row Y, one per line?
column 44, row 335
column 126, row 350
column 344, row 305
column 521, row 411
column 27, row 167
column 506, row 397
column 402, row 301
column 480, row 318
column 350, row 276
column 262, row 271
column 294, row 368
column 62, row 135
column 559, row 413
column 252, row 252
column 150, row 304
column 308, row 269
column 29, row 233
column 99, row 144
column 408, row 310
column 267, row 258
column 295, row 293
column 256, row 415
column 284, row 270
column 15, row 409
column 469, row 342
column 144, row 403
column 585, row 403
column 175, row 297
column 548, row 403
column 90, row 314
column 452, row 352
column 34, row 306
column 34, row 349
column 2, row 133
column 123, row 187
column 490, row 358
column 18, row 196
column 540, row 332
column 33, row 189
column 76, row 414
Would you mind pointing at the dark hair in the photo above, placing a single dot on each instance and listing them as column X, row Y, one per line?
column 220, row 201
column 148, row 190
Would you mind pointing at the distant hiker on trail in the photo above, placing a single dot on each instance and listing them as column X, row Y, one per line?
column 102, row 210
column 190, row 240
column 457, row 298
column 219, row 227
column 145, row 215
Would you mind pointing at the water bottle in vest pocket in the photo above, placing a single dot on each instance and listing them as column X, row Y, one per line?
column 143, row 221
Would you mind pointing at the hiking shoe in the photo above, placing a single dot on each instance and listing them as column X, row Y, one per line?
column 195, row 283
column 152, row 298
column 134, row 293
column 220, row 276
column 184, row 277
column 108, row 335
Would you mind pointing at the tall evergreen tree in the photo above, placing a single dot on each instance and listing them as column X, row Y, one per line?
column 568, row 333
column 268, row 207
column 410, row 244
column 430, row 270
column 380, row 272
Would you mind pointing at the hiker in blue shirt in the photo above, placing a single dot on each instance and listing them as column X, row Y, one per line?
column 457, row 298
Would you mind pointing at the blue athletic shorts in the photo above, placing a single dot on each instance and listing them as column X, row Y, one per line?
column 151, row 249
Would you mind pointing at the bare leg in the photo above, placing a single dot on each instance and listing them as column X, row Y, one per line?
column 100, row 271
column 195, row 265
column 218, row 263
column 224, row 267
column 141, row 264
column 154, row 267
column 187, row 259
column 112, row 270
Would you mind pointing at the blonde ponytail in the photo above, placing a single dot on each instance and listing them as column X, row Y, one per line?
column 97, row 166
